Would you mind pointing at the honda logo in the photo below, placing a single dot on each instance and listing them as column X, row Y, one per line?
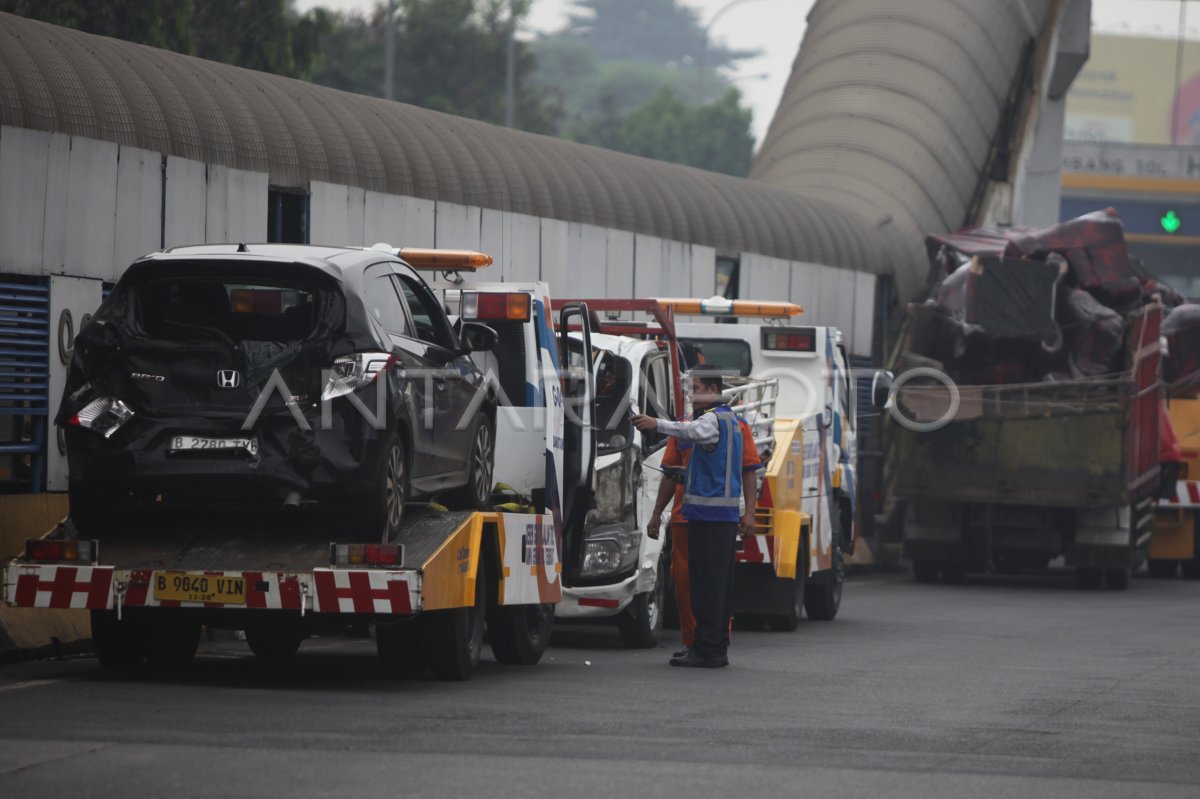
column 229, row 378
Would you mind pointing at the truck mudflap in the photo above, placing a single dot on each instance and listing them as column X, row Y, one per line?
column 780, row 548
column 448, row 548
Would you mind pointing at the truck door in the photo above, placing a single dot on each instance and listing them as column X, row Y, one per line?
column 579, row 441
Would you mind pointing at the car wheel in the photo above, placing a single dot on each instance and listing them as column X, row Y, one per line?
column 793, row 611
column 120, row 645
column 456, row 636
column 640, row 624
column 481, row 467
column 380, row 513
column 519, row 634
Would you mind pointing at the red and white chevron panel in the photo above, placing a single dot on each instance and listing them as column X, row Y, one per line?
column 364, row 591
column 55, row 586
column 757, row 549
column 1187, row 495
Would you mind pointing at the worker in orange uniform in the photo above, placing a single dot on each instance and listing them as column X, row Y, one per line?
column 674, row 463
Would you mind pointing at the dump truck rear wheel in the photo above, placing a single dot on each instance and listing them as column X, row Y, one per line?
column 172, row 645
column 1117, row 579
column 925, row 571
column 1087, row 577
column 1191, row 569
column 519, row 634
column 822, row 600
column 1162, row 569
column 456, row 636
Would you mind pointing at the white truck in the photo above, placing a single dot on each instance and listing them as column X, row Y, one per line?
column 427, row 592
column 816, row 422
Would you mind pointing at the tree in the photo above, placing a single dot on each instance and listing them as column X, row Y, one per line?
column 267, row 35
column 715, row 137
column 450, row 56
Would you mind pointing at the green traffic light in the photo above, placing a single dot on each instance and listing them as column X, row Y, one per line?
column 1170, row 222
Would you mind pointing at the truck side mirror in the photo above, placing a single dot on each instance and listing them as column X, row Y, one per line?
column 881, row 389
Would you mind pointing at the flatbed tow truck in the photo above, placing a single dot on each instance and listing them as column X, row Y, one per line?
column 428, row 594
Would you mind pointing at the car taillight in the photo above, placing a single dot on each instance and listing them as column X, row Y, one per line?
column 366, row 554
column 496, row 305
column 40, row 550
column 352, row 372
column 105, row 416
column 789, row 339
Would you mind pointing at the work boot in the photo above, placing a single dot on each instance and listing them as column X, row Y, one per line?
column 682, row 652
column 693, row 661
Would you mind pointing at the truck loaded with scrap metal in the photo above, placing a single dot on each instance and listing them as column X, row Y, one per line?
column 1026, row 416
column 292, row 440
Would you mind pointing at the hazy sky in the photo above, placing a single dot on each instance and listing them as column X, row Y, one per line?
column 776, row 27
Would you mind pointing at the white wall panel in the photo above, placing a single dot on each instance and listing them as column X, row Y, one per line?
column 383, row 219
column 329, row 213
column 356, row 201
column 247, row 206
column 676, row 280
column 139, row 206
column 523, row 248
column 554, row 255
column 493, row 237
column 837, row 298
column 186, row 202
column 587, row 258
column 24, row 157
column 805, row 290
column 647, row 266
column 619, row 260
column 764, row 278
column 54, row 225
column 91, row 208
column 703, row 267
column 864, row 314
column 457, row 227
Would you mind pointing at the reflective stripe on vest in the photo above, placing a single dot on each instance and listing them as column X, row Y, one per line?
column 730, row 498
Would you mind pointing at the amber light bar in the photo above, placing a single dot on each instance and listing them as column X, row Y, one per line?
column 720, row 306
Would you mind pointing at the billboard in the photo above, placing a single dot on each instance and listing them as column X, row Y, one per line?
column 1128, row 92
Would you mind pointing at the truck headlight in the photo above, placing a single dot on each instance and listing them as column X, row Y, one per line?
column 610, row 549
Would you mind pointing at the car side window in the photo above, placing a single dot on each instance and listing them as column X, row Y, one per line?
column 383, row 303
column 657, row 399
column 425, row 311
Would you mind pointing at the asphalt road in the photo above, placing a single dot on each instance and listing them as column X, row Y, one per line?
column 1001, row 687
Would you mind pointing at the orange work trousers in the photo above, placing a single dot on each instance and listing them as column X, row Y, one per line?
column 679, row 575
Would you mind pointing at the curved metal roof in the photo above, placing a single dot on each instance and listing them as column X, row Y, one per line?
column 891, row 108
column 56, row 79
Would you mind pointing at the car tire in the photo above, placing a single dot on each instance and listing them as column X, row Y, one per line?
column 519, row 634
column 403, row 647
column 1117, row 579
column 1190, row 569
column 477, row 493
column 789, row 619
column 120, row 645
column 456, row 636
column 379, row 515
column 641, row 623
column 822, row 600
column 1162, row 569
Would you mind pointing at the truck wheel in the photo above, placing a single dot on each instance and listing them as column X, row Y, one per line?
column 456, row 636
column 120, row 645
column 1088, row 577
column 822, row 600
column 402, row 647
column 519, row 634
column 1117, row 579
column 275, row 641
column 477, row 493
column 640, row 624
column 1191, row 569
column 1162, row 569
column 925, row 571
column 789, row 619
column 172, row 645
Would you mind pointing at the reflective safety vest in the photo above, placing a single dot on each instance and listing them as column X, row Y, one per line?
column 713, row 484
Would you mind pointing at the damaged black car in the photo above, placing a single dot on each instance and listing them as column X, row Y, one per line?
column 276, row 375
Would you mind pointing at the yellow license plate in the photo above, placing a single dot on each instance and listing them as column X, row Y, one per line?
column 193, row 587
